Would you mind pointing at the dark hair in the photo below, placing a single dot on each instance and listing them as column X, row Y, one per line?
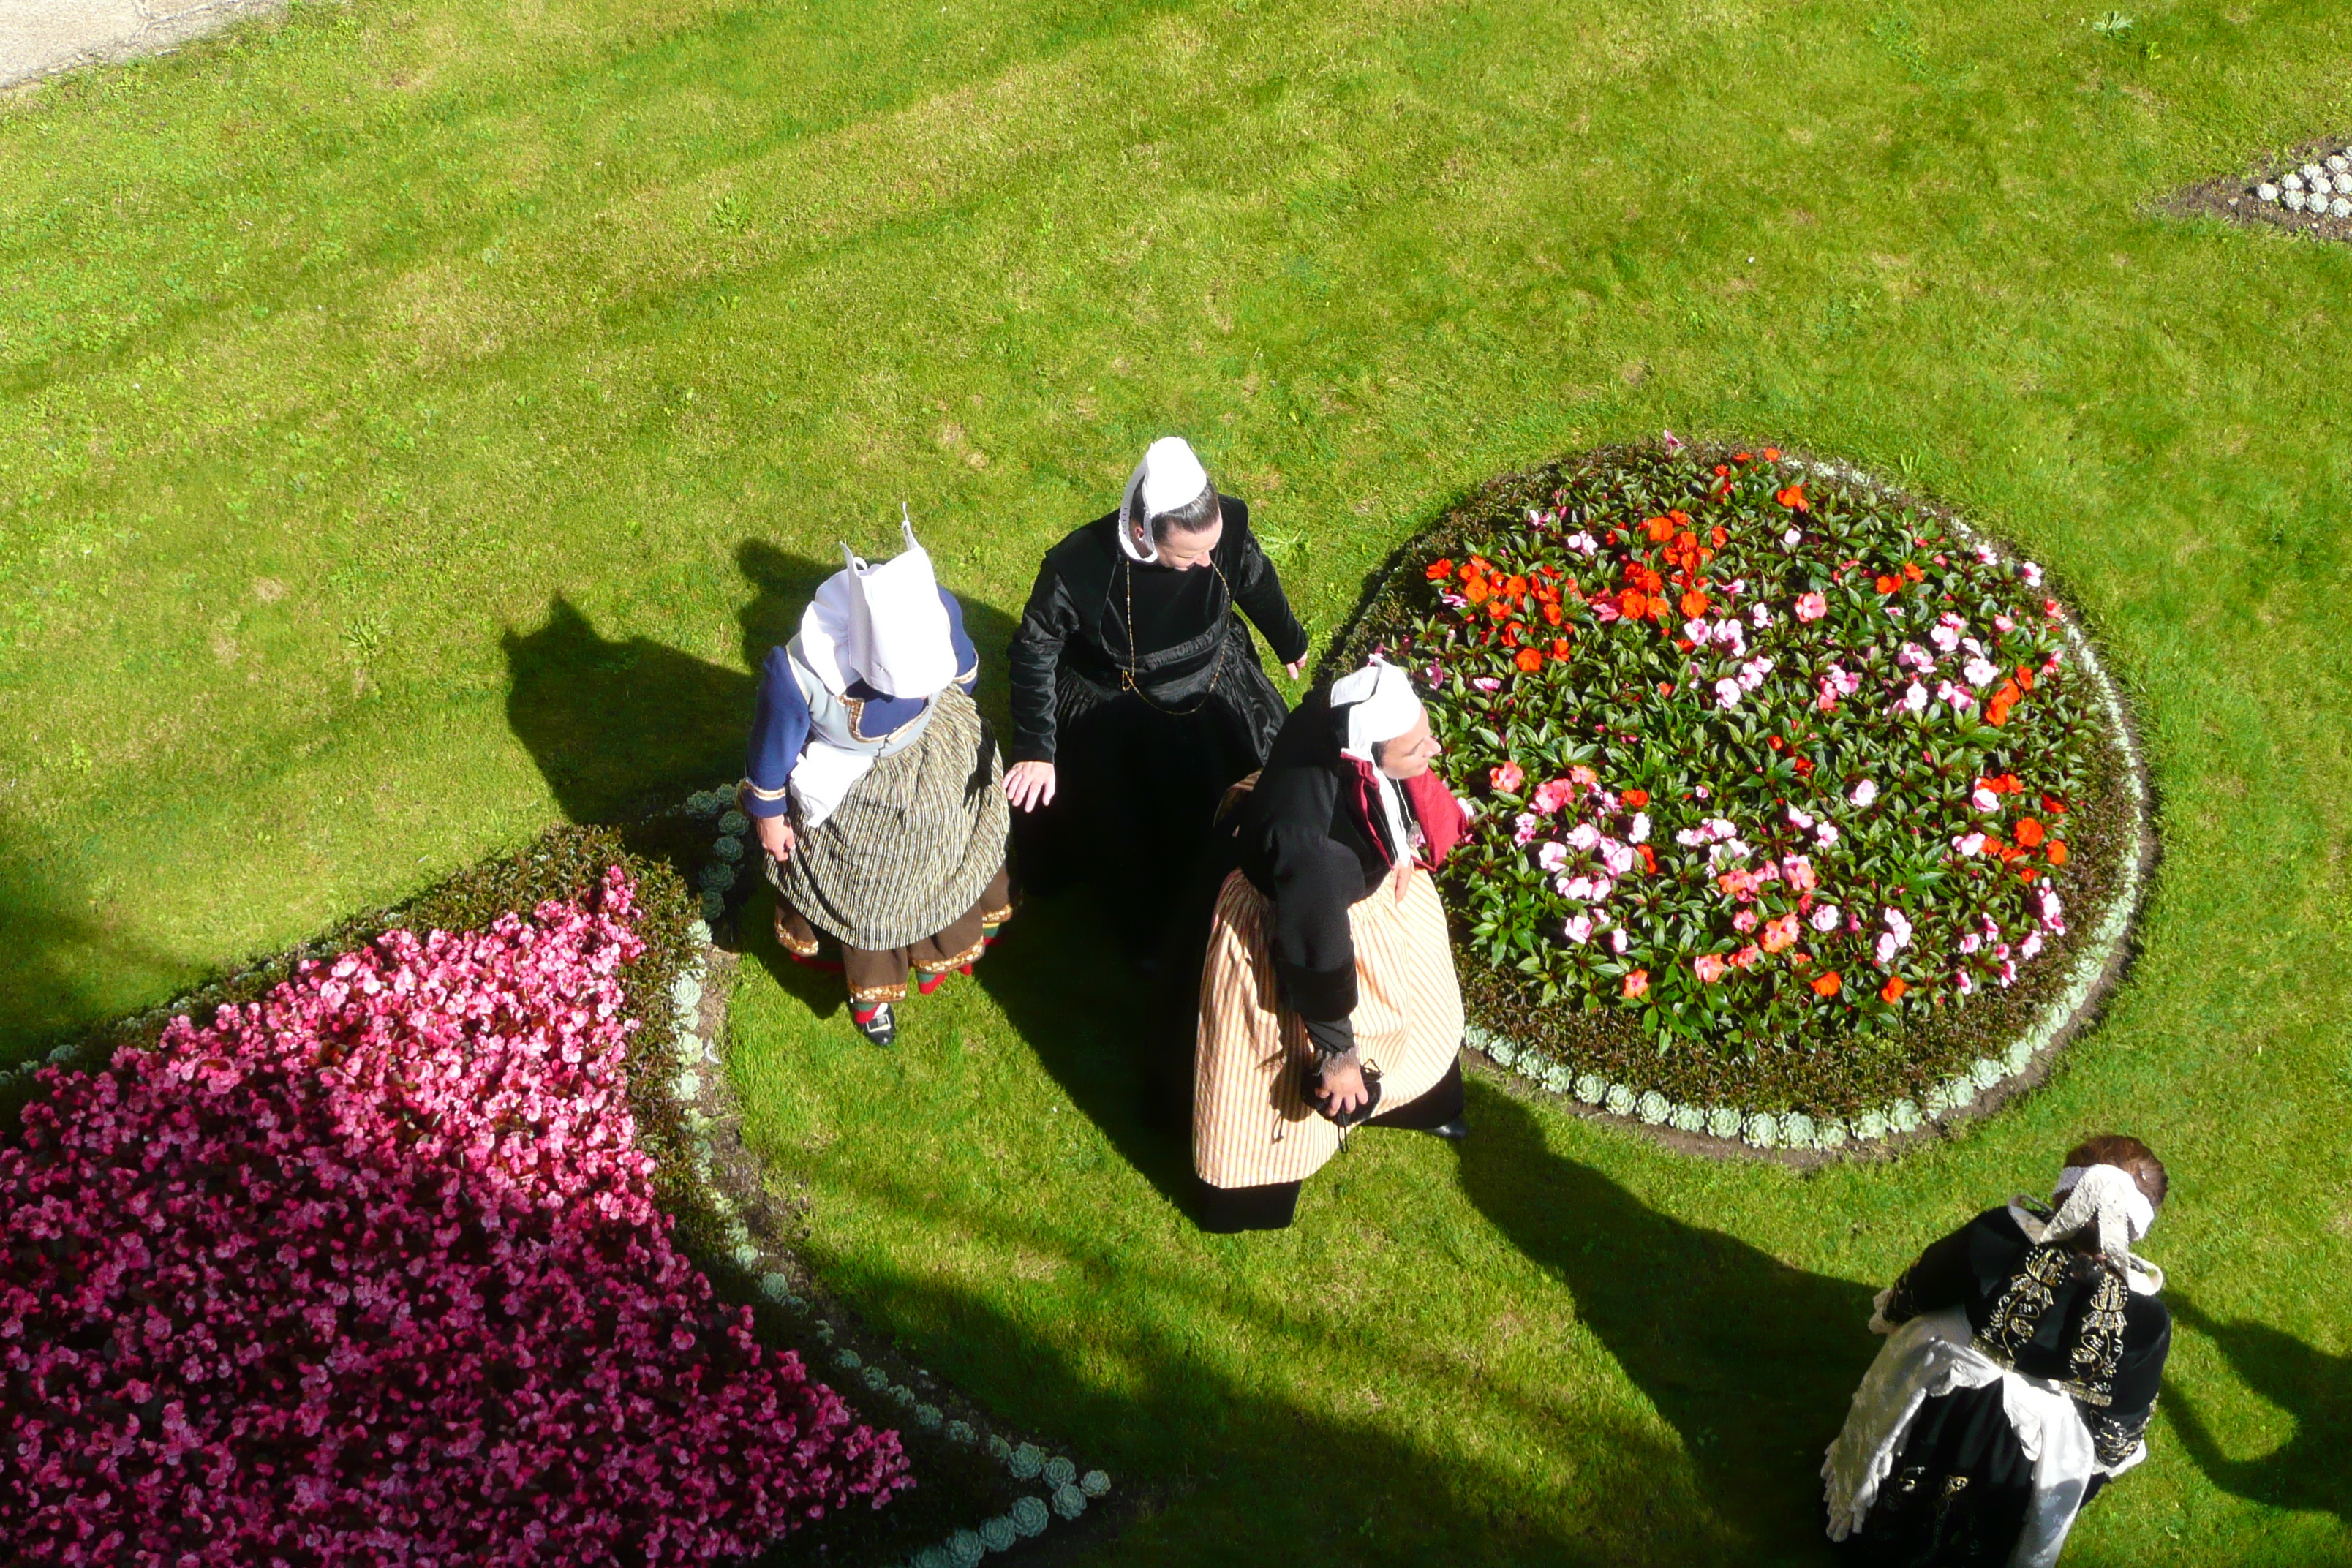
column 1191, row 518
column 2127, row 1154
column 1379, row 753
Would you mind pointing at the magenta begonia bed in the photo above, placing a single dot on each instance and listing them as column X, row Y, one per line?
column 369, row 1271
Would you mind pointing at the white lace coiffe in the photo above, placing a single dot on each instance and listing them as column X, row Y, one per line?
column 2107, row 1198
column 1171, row 475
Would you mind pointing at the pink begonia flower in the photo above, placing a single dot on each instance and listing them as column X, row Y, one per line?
column 1507, row 778
column 1524, row 828
column 1639, row 832
column 1954, row 697
column 1576, row 887
column 1886, row 950
column 1752, row 673
column 1864, row 793
column 1825, row 918
column 1433, row 678
column 1744, row 922
column 1551, row 856
column 1978, row 672
column 1986, row 555
column 1601, row 887
column 1812, row 606
column 1582, row 543
column 1946, row 634
column 1969, row 844
column 1580, row 928
column 1746, row 957
column 380, row 1277
column 1584, row 836
column 1826, row 834
column 1605, row 611
column 1731, row 635
column 1984, row 799
column 1898, row 927
column 1727, row 693
column 1553, row 794
column 1800, row 819
column 2008, row 973
column 1963, row 983
column 1618, row 857
column 1696, row 631
column 1735, row 587
column 1708, row 967
column 1971, row 942
column 2030, row 572
column 1915, row 658
column 1487, row 683
column 2003, row 624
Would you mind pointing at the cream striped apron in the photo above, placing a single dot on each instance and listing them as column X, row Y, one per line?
column 1251, row 1124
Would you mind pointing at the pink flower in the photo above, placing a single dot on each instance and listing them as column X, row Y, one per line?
column 1746, row 957
column 1710, row 968
column 1727, row 693
column 1825, row 918
column 1812, row 606
column 1864, row 793
column 1744, row 920
column 1551, row 856
column 1584, row 836
column 1524, row 828
column 1799, row 872
column 1508, row 778
column 1487, row 683
column 1552, row 794
column 1579, row 929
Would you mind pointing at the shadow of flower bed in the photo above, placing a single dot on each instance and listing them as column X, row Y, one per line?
column 1806, row 814
column 388, row 1260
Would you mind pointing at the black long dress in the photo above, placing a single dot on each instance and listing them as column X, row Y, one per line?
column 1960, row 1488
column 1141, row 685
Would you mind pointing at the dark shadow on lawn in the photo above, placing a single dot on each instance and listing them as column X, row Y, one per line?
column 2308, row 1472
column 1752, row 1360
column 63, row 963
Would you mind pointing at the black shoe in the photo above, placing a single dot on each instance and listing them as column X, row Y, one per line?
column 1453, row 1131
column 882, row 1028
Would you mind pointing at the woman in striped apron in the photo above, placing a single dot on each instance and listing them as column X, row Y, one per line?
column 1329, row 996
column 876, row 787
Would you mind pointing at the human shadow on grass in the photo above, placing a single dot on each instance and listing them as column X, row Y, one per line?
column 1751, row 1360
column 1229, row 1462
column 2308, row 1470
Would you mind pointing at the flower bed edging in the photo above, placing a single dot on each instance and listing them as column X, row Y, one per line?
column 1990, row 1080
column 728, row 1177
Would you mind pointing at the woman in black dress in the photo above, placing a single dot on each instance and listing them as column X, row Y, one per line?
column 1138, row 698
column 2021, row 1369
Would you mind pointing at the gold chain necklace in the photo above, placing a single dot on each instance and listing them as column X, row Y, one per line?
column 1127, row 676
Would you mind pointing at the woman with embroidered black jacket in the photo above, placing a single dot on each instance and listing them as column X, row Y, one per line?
column 2023, row 1356
column 1138, row 698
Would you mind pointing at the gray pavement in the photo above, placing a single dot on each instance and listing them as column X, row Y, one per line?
column 42, row 37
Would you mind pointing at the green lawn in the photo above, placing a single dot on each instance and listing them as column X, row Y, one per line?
column 416, row 418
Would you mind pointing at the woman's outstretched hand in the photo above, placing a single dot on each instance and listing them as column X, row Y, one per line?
column 1030, row 784
column 1343, row 1087
column 775, row 838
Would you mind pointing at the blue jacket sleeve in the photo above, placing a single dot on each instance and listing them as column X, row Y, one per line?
column 966, row 655
column 780, row 730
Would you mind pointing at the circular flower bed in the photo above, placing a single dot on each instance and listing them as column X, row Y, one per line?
column 1792, row 790
column 371, row 1270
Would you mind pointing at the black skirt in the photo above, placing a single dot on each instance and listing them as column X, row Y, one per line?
column 1138, row 780
column 1958, row 1492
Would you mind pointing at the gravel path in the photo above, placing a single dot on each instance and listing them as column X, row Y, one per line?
column 42, row 37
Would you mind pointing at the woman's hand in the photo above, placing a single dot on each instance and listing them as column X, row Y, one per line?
column 1294, row 667
column 775, row 836
column 1030, row 784
column 1343, row 1086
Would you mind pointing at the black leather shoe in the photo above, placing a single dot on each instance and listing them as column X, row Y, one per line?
column 1453, row 1131
column 883, row 1028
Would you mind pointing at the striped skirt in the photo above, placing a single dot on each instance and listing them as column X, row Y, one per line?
column 1252, row 1125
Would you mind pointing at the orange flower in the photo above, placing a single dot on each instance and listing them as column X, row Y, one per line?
column 1475, row 590
column 1581, row 774
column 2027, row 873
column 1716, row 536
column 2052, row 805
column 2056, row 853
column 1743, row 457
column 1659, row 528
column 1637, row 984
column 1650, row 581
column 1554, row 615
column 1633, row 605
column 1911, row 570
column 1888, row 584
column 1559, row 650
column 2025, row 676
column 1515, row 585
column 1636, row 798
column 1893, row 990
column 1694, row 605
column 1527, row 659
column 1470, row 569
column 1649, row 861
column 2028, row 832
column 1439, row 570
column 1793, row 498
column 1771, row 453
column 1710, row 968
column 1826, row 983
column 1499, row 608
column 1780, row 934
column 1665, row 689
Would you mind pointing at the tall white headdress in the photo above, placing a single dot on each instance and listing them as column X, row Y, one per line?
column 882, row 625
column 1169, row 476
